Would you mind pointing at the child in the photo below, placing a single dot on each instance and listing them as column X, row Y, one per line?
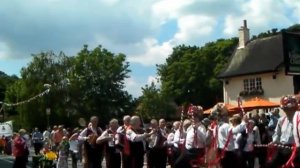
column 63, row 153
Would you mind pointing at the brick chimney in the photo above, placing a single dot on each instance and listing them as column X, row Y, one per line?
column 243, row 35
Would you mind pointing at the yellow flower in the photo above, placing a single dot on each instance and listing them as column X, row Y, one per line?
column 50, row 155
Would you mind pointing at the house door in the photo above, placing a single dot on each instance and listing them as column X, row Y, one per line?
column 296, row 80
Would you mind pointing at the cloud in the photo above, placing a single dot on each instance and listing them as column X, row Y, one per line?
column 67, row 25
column 260, row 16
column 133, row 87
column 153, row 79
column 154, row 53
column 4, row 50
column 192, row 27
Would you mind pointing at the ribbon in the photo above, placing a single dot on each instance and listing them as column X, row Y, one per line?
column 290, row 163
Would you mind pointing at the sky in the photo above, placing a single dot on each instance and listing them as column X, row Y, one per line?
column 144, row 30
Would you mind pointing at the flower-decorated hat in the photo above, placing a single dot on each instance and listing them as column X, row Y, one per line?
column 219, row 110
column 195, row 110
column 289, row 103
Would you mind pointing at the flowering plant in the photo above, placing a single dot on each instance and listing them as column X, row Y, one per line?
column 50, row 156
column 47, row 159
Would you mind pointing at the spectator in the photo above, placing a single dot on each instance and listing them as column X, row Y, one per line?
column 63, row 149
column 2, row 144
column 20, row 150
column 37, row 140
column 74, row 147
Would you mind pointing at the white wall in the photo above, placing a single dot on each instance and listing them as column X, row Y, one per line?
column 274, row 89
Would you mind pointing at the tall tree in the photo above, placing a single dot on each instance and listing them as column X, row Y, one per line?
column 90, row 83
column 98, row 80
column 189, row 74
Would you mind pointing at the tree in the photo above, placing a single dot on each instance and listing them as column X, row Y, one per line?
column 45, row 68
column 190, row 73
column 97, row 79
column 152, row 104
column 90, row 83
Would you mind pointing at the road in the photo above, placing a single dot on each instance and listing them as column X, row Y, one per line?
column 6, row 161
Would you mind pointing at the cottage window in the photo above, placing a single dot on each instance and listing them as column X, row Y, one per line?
column 252, row 84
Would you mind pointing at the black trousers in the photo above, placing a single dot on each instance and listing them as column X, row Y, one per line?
column 20, row 162
column 157, row 157
column 113, row 159
column 281, row 156
column 125, row 160
column 187, row 156
column 248, row 159
column 262, row 156
column 229, row 160
column 94, row 158
column 37, row 147
column 173, row 155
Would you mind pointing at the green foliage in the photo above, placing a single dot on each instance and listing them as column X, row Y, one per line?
column 97, row 79
column 153, row 105
column 91, row 83
column 5, row 81
column 189, row 74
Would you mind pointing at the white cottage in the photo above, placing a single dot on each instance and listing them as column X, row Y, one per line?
column 256, row 69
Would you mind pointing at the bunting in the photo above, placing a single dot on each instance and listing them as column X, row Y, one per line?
column 25, row 101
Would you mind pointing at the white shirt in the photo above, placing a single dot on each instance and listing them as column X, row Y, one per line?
column 201, row 137
column 284, row 132
column 83, row 135
column 170, row 138
column 46, row 134
column 223, row 133
column 74, row 145
column 251, row 138
column 134, row 137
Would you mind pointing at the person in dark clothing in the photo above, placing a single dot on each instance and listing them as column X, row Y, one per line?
column 136, row 136
column 110, row 140
column 37, row 140
column 93, row 153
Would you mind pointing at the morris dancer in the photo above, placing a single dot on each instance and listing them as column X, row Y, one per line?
column 110, row 140
column 226, row 141
column 136, row 136
column 124, row 142
column 283, row 134
column 93, row 153
column 195, row 140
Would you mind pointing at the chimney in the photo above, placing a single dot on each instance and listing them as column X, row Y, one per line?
column 243, row 35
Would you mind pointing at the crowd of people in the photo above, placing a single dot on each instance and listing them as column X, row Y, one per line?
column 218, row 140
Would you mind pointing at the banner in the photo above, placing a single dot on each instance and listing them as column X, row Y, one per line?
column 291, row 52
column 6, row 128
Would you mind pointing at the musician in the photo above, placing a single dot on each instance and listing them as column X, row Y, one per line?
column 283, row 133
column 93, row 153
column 123, row 143
column 172, row 151
column 179, row 139
column 110, row 139
column 157, row 154
column 136, row 136
column 195, row 144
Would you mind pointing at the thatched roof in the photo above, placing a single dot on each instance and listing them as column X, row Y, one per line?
column 259, row 56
